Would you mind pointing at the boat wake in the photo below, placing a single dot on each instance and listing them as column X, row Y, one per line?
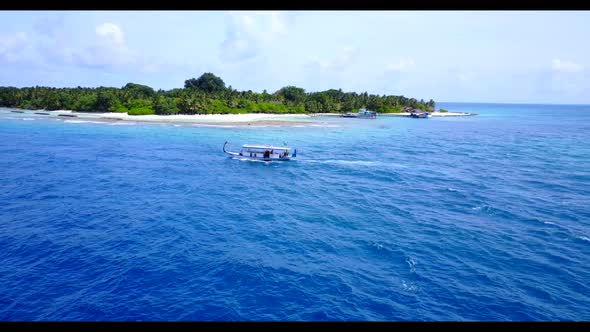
column 354, row 163
column 251, row 160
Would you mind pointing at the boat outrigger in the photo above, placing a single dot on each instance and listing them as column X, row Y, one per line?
column 263, row 152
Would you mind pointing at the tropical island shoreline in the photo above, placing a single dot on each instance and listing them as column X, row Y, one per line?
column 242, row 119
column 207, row 100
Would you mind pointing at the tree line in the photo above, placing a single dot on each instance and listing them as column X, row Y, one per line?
column 207, row 94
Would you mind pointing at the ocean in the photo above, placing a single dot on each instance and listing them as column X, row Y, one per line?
column 482, row 218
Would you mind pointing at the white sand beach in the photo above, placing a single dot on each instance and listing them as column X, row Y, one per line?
column 214, row 119
column 225, row 119
column 250, row 117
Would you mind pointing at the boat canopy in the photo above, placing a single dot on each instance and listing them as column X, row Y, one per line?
column 264, row 147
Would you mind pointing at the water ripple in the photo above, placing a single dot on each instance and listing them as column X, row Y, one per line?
column 481, row 218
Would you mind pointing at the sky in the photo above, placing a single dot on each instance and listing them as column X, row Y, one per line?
column 448, row 56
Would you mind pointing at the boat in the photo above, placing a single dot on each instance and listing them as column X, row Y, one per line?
column 362, row 113
column 68, row 115
column 263, row 152
column 419, row 114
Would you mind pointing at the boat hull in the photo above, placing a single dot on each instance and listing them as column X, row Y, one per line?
column 260, row 156
column 420, row 116
column 356, row 116
column 237, row 155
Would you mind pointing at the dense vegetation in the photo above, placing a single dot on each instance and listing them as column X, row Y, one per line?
column 205, row 95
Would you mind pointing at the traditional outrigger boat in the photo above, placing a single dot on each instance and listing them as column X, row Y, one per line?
column 263, row 152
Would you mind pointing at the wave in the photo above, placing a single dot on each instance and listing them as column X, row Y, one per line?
column 411, row 263
column 82, row 121
column 251, row 160
column 122, row 124
column 409, row 287
column 28, row 119
column 367, row 163
column 214, row 126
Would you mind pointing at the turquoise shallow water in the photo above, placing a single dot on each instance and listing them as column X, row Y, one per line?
column 470, row 218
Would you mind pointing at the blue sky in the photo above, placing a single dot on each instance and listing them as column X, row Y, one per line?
column 470, row 56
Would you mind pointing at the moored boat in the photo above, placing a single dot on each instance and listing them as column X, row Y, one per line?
column 420, row 114
column 263, row 152
column 362, row 113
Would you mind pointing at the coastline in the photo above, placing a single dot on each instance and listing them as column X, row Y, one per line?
column 404, row 114
column 245, row 119
column 204, row 120
column 266, row 119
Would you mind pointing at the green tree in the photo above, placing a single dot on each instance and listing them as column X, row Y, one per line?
column 165, row 106
column 291, row 94
column 137, row 91
column 208, row 82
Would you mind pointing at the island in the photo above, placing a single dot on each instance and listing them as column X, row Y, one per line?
column 204, row 98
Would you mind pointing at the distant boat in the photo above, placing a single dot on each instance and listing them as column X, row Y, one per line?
column 263, row 152
column 68, row 115
column 419, row 114
column 42, row 113
column 17, row 111
column 362, row 113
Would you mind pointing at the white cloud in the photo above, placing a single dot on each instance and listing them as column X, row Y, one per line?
column 110, row 33
column 396, row 77
column 106, row 50
column 247, row 31
column 566, row 66
column 404, row 64
column 277, row 23
column 565, row 79
column 11, row 46
column 52, row 40
column 341, row 61
column 338, row 71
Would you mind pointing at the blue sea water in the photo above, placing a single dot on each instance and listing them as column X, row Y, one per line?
column 481, row 218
